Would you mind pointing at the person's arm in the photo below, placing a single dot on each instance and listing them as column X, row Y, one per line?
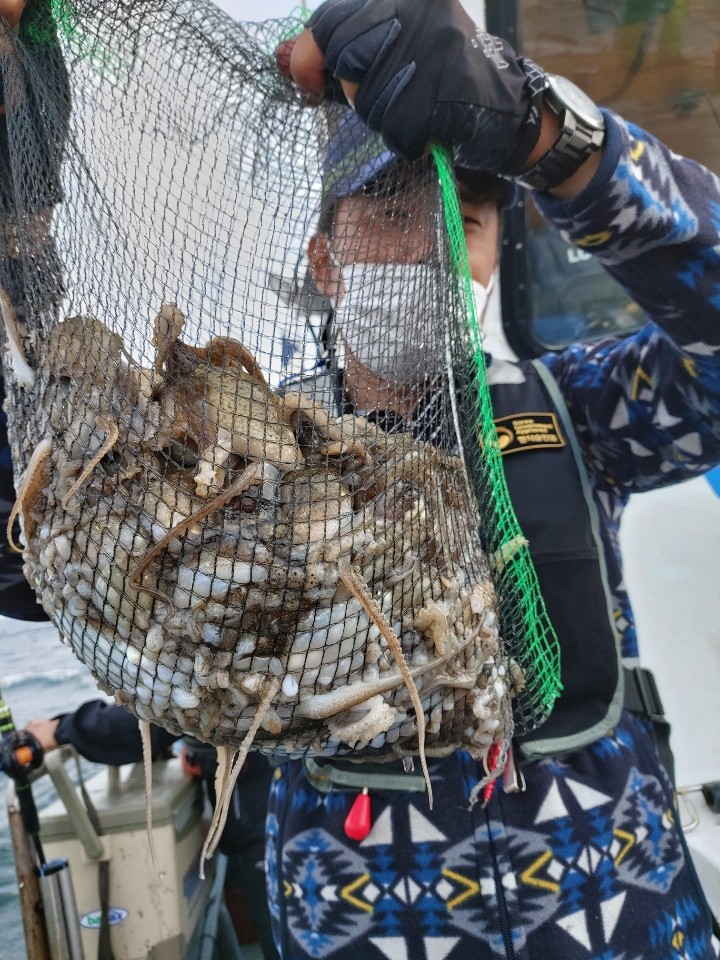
column 420, row 70
column 100, row 732
column 647, row 408
column 650, row 217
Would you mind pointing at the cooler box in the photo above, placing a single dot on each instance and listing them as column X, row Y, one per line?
column 153, row 910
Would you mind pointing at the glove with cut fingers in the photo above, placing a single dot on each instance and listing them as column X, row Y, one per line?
column 426, row 72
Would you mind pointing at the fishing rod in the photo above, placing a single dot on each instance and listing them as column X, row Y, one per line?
column 21, row 754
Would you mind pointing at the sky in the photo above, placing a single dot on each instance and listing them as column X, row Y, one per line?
column 253, row 10
column 274, row 9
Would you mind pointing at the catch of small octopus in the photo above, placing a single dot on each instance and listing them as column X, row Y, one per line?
column 243, row 567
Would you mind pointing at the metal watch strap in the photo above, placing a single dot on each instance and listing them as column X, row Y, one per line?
column 576, row 142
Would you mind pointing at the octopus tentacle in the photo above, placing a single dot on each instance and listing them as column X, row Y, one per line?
column 296, row 403
column 324, row 705
column 359, row 589
column 146, row 739
column 246, row 479
column 220, row 349
column 32, row 483
column 23, row 372
column 225, row 757
column 222, row 803
column 113, row 432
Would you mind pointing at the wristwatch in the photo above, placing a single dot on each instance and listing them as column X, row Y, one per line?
column 582, row 131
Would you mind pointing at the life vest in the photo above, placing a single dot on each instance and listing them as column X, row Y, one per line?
column 550, row 492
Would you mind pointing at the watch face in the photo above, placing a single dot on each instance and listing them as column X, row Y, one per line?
column 576, row 100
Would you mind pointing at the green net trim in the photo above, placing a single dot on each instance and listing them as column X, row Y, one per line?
column 299, row 14
column 526, row 626
column 43, row 23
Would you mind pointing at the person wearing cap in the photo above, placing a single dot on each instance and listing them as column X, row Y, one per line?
column 355, row 261
column 588, row 860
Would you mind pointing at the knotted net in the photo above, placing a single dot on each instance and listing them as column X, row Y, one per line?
column 241, row 541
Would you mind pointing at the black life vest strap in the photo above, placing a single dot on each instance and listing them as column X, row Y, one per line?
column 643, row 698
column 550, row 491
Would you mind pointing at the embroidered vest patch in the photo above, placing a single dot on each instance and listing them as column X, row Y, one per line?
column 529, row 431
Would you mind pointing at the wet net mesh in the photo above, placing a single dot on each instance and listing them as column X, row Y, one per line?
column 259, row 485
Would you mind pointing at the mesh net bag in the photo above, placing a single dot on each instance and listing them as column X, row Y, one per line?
column 235, row 550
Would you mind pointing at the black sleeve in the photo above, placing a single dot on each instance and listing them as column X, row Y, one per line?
column 105, row 733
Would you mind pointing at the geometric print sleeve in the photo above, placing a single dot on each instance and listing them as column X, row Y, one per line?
column 647, row 407
column 646, row 414
column 652, row 219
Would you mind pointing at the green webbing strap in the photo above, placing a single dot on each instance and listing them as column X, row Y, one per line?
column 376, row 777
column 526, row 627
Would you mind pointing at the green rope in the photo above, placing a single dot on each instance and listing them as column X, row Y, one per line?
column 527, row 630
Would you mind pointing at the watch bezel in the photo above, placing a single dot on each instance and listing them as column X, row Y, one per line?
column 582, row 131
column 568, row 95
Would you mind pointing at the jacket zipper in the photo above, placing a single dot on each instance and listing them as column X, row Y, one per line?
column 503, row 914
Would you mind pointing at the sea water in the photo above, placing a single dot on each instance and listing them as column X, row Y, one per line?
column 39, row 677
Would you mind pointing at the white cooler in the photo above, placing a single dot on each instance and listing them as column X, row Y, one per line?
column 152, row 909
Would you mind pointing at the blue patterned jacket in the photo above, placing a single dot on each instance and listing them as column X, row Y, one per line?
column 646, row 407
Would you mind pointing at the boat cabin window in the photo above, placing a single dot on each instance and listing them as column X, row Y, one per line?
column 657, row 63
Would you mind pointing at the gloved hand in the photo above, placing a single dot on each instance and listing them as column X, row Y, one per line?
column 425, row 72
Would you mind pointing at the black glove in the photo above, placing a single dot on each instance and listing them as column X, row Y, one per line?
column 427, row 73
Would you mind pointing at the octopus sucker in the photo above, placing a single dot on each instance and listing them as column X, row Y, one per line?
column 359, row 589
column 37, row 476
column 112, row 433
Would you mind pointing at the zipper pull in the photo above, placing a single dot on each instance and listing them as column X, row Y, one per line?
column 358, row 822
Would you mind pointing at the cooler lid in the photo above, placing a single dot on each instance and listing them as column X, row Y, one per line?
column 118, row 795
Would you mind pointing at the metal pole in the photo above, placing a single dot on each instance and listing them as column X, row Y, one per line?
column 61, row 916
